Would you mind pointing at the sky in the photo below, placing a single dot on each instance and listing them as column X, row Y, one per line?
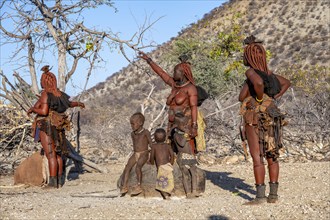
column 175, row 15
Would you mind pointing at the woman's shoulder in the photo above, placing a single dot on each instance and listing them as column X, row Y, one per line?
column 42, row 98
column 249, row 71
column 43, row 95
column 191, row 88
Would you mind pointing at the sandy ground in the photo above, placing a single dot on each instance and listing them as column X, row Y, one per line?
column 304, row 194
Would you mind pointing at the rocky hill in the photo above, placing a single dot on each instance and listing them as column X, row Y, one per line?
column 295, row 32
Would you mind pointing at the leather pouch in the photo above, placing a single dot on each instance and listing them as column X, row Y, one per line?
column 251, row 117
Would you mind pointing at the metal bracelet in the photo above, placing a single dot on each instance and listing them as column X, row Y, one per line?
column 149, row 60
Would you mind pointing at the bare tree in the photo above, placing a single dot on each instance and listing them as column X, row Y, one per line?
column 39, row 26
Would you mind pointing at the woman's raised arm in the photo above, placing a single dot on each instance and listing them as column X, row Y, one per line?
column 157, row 69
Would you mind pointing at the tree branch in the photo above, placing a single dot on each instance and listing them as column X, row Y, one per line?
column 9, row 34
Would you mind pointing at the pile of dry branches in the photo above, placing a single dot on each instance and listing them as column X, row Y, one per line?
column 15, row 137
column 16, row 142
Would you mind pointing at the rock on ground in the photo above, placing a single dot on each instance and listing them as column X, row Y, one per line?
column 31, row 171
column 149, row 181
column 303, row 194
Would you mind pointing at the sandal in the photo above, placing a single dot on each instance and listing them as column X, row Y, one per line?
column 123, row 190
column 137, row 190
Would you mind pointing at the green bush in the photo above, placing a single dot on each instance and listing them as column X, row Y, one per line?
column 216, row 64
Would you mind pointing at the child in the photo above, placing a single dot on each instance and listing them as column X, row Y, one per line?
column 163, row 154
column 141, row 140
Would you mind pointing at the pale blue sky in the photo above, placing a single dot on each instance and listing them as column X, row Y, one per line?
column 130, row 15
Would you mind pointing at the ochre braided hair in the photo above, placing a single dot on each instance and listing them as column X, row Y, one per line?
column 49, row 82
column 255, row 54
column 185, row 67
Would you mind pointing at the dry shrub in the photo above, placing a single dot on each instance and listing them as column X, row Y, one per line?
column 311, row 80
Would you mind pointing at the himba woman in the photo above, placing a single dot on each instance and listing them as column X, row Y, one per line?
column 50, row 124
column 262, row 119
column 182, row 104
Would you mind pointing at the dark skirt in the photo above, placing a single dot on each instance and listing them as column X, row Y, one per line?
column 187, row 160
column 268, row 122
column 57, row 135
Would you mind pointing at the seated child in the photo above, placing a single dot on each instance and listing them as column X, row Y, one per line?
column 163, row 154
column 141, row 140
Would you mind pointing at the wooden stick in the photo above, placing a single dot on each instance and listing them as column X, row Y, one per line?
column 222, row 110
column 75, row 156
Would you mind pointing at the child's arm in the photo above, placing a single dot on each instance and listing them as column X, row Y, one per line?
column 132, row 137
column 171, row 154
column 152, row 156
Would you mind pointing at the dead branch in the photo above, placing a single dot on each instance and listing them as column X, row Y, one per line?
column 20, row 145
column 28, row 124
column 157, row 117
column 144, row 105
column 75, row 156
column 222, row 109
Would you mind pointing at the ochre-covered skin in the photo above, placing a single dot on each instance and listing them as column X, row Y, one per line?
column 141, row 143
column 43, row 123
column 182, row 119
column 183, row 96
column 253, row 93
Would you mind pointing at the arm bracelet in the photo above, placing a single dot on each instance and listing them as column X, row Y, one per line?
column 149, row 60
column 259, row 100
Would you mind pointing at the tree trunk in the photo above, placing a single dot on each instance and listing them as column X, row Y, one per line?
column 33, row 74
column 60, row 41
column 61, row 67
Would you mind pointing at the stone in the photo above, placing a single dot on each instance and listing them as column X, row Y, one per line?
column 149, row 175
column 241, row 158
column 31, row 171
column 207, row 159
column 232, row 159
